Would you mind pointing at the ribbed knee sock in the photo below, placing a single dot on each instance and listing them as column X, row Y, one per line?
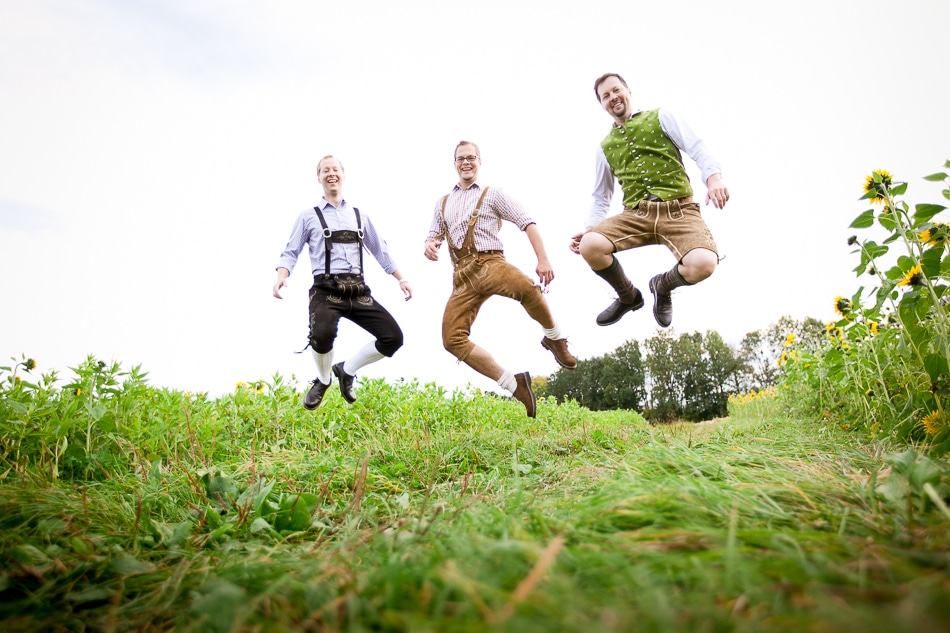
column 614, row 275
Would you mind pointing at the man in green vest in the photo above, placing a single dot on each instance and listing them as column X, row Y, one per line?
column 642, row 152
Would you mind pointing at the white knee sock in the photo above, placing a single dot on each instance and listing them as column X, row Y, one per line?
column 508, row 382
column 553, row 333
column 324, row 365
column 366, row 355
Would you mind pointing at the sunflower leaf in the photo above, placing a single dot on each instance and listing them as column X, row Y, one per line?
column 887, row 221
column 930, row 262
column 925, row 212
column 937, row 177
column 863, row 221
column 899, row 190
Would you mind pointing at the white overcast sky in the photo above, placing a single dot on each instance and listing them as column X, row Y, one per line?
column 154, row 155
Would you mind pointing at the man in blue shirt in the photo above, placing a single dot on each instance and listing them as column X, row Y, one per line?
column 337, row 235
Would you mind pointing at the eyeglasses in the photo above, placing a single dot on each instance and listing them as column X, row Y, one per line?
column 462, row 159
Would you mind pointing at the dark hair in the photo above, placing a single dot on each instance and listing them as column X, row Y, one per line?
column 461, row 143
column 604, row 78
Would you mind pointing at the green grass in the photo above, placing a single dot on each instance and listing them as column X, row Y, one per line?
column 420, row 510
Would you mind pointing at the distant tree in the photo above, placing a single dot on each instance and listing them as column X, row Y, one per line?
column 665, row 387
column 623, row 378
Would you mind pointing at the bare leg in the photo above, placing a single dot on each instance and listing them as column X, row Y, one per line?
column 483, row 362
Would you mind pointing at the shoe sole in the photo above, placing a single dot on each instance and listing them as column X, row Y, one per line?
column 558, row 360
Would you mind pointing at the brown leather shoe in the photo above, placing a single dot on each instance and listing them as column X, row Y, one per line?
column 524, row 395
column 562, row 355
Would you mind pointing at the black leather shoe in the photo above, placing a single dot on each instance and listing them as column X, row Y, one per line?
column 662, row 304
column 315, row 396
column 346, row 383
column 617, row 309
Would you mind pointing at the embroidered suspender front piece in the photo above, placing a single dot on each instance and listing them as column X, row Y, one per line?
column 340, row 237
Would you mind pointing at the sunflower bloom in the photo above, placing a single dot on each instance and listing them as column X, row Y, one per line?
column 878, row 189
column 930, row 422
column 935, row 235
column 873, row 328
column 790, row 339
column 842, row 306
column 913, row 277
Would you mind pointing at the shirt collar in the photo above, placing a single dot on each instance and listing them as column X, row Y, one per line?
column 323, row 204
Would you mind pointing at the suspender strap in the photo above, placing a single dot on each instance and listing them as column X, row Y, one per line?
column 468, row 242
column 340, row 237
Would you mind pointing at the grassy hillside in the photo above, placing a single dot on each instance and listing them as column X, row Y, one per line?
column 129, row 508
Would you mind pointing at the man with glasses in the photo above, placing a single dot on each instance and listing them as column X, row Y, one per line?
column 337, row 234
column 470, row 218
column 642, row 152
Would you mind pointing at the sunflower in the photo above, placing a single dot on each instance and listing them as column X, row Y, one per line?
column 872, row 328
column 913, row 277
column 935, row 235
column 930, row 422
column 880, row 187
column 789, row 339
column 842, row 306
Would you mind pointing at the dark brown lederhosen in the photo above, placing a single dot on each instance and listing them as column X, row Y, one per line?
column 346, row 295
column 479, row 275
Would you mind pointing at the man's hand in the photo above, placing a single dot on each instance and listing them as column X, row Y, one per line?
column 575, row 244
column 282, row 274
column 432, row 249
column 545, row 272
column 716, row 192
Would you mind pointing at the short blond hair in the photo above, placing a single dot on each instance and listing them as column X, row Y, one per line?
column 320, row 162
column 478, row 152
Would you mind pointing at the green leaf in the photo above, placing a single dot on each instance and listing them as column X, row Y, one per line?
column 930, row 262
column 294, row 514
column 127, row 565
column 937, row 177
column 887, row 221
column 875, row 250
column 260, row 525
column 925, row 212
column 923, row 472
column 936, row 366
column 864, row 220
column 903, row 462
column 899, row 190
column 29, row 555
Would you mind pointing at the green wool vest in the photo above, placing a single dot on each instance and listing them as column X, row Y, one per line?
column 645, row 160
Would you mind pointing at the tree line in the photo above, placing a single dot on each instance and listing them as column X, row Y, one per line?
column 688, row 377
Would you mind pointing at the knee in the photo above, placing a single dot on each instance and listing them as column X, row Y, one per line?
column 700, row 265
column 596, row 246
column 389, row 345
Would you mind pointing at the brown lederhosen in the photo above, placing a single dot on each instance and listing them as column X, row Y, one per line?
column 479, row 275
column 676, row 224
